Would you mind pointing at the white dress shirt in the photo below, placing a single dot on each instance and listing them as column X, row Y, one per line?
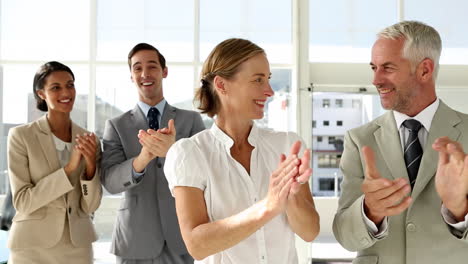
column 425, row 118
column 204, row 161
column 64, row 150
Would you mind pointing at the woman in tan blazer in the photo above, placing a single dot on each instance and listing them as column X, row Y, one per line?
column 54, row 176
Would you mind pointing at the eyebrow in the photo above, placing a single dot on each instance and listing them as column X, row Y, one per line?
column 385, row 64
column 151, row 61
column 56, row 83
column 261, row 74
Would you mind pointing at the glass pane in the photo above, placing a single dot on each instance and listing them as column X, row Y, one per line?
column 80, row 108
column 277, row 111
column 351, row 110
column 455, row 97
column 168, row 25
column 327, row 140
column 115, row 94
column 3, row 149
column 451, row 25
column 344, row 30
column 3, row 161
column 178, row 87
column 44, row 30
column 265, row 22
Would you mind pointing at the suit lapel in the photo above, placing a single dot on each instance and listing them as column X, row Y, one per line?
column 389, row 146
column 168, row 114
column 443, row 124
column 44, row 137
column 134, row 121
column 138, row 119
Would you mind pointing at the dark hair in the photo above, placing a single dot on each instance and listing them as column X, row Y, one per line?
column 39, row 80
column 224, row 61
column 145, row 46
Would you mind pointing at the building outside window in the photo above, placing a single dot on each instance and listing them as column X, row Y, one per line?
column 356, row 103
column 329, row 160
column 339, row 103
column 328, row 139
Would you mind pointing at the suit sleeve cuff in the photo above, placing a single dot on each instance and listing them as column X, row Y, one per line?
column 376, row 232
column 137, row 176
column 450, row 220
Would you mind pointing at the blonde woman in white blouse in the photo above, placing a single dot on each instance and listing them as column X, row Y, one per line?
column 239, row 199
column 54, row 177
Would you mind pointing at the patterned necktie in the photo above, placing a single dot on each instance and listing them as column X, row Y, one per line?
column 153, row 118
column 413, row 150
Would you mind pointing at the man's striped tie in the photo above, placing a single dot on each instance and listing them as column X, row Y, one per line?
column 413, row 150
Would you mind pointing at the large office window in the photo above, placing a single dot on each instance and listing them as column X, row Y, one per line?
column 344, row 30
column 266, row 22
column 44, row 30
column 93, row 37
column 167, row 24
column 451, row 24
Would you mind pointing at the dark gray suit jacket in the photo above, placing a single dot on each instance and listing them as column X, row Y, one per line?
column 147, row 216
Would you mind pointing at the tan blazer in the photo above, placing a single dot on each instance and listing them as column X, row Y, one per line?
column 44, row 195
column 419, row 235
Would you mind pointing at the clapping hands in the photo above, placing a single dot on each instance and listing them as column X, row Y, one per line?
column 286, row 181
column 158, row 142
column 155, row 143
column 382, row 197
column 85, row 147
column 452, row 176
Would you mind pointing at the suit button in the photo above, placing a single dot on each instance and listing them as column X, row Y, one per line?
column 159, row 165
column 411, row 227
column 69, row 210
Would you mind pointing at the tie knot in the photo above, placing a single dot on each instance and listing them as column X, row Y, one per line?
column 153, row 112
column 412, row 124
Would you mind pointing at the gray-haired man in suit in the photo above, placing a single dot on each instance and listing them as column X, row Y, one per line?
column 400, row 199
column 135, row 146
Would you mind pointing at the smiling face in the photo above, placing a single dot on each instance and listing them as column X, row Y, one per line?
column 394, row 77
column 245, row 95
column 58, row 92
column 147, row 75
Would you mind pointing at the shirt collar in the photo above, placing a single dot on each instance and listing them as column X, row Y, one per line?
column 61, row 145
column 424, row 117
column 145, row 107
column 227, row 140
